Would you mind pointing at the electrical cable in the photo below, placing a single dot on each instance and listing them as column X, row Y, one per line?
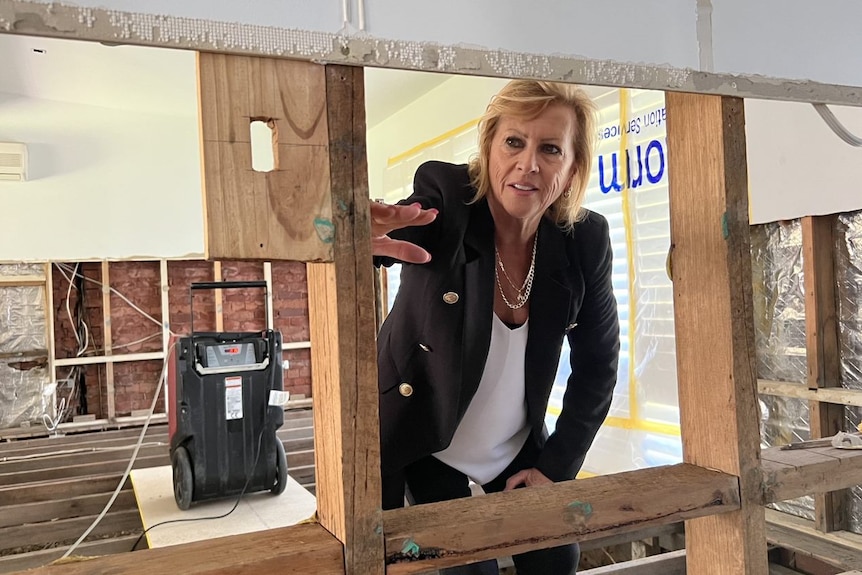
column 128, row 470
column 212, row 517
column 119, row 295
column 836, row 125
column 78, row 451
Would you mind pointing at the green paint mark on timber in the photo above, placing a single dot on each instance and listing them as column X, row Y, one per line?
column 584, row 508
column 410, row 548
column 325, row 230
column 725, row 230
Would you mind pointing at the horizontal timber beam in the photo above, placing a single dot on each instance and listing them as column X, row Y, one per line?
column 791, row 473
column 296, row 550
column 672, row 563
column 455, row 532
column 89, row 360
column 837, row 395
column 65, row 21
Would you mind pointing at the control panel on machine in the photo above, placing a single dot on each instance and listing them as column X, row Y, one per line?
column 233, row 354
column 215, row 355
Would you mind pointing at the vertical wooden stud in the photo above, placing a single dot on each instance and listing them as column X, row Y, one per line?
column 166, row 321
column 49, row 322
column 343, row 358
column 824, row 361
column 267, row 277
column 711, row 270
column 218, row 298
column 108, row 341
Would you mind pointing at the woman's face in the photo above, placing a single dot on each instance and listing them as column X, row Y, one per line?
column 531, row 162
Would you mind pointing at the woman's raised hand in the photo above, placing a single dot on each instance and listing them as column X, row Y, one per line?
column 385, row 218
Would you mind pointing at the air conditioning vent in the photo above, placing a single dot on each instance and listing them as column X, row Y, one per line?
column 13, row 162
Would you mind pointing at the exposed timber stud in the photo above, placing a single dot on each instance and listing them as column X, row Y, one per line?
column 714, row 323
column 824, row 361
column 343, row 357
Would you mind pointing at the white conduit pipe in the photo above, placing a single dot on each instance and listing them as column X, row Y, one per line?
column 836, row 126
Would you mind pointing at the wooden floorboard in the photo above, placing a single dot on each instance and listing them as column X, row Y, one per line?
column 63, row 508
column 792, row 473
column 67, row 530
column 13, row 563
column 840, row 549
column 298, row 550
column 55, row 486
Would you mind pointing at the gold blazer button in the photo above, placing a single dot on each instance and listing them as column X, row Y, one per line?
column 450, row 297
column 405, row 389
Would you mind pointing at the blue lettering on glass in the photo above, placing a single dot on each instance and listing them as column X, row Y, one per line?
column 646, row 161
column 614, row 185
column 655, row 144
column 638, row 181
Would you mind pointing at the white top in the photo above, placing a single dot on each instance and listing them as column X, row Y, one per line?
column 494, row 428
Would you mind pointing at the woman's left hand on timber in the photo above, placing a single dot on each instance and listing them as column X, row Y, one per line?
column 528, row 478
column 386, row 218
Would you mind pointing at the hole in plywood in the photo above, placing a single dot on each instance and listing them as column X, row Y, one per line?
column 264, row 142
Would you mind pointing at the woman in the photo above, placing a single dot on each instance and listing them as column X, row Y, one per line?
column 507, row 264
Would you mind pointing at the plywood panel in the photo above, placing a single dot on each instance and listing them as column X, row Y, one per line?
column 283, row 214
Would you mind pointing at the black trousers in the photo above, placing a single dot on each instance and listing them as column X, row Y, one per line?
column 429, row 480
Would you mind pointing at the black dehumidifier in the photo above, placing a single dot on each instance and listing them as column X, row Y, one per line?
column 224, row 392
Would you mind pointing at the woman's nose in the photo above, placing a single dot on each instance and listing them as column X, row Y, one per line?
column 528, row 161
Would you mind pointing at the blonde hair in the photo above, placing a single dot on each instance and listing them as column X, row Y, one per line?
column 527, row 99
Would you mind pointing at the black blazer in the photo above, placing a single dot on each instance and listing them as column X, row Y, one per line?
column 437, row 337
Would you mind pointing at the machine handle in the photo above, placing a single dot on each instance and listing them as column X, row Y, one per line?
column 231, row 369
column 224, row 285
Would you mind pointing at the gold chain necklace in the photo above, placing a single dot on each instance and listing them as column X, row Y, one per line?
column 523, row 294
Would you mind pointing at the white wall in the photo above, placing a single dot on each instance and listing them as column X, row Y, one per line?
column 103, row 183
column 795, row 39
column 455, row 102
column 796, row 165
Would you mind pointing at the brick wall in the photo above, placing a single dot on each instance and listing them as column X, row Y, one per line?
column 242, row 310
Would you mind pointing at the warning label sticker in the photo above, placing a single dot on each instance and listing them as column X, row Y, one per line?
column 233, row 397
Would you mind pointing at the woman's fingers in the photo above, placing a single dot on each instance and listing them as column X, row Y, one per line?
column 528, row 478
column 386, row 218
column 400, row 250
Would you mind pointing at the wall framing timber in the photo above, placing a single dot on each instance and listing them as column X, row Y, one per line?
column 714, row 320
column 824, row 360
column 721, row 484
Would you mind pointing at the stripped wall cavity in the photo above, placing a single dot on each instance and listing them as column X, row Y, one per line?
column 59, row 20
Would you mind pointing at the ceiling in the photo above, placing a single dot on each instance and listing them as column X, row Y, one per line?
column 153, row 80
column 157, row 80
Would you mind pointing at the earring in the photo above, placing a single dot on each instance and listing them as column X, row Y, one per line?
column 567, row 193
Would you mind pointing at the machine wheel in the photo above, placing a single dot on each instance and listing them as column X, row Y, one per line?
column 280, row 469
column 183, row 479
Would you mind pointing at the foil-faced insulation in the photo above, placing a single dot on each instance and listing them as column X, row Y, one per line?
column 779, row 319
column 848, row 275
column 25, row 393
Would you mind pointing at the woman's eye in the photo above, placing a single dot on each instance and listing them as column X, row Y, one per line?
column 551, row 149
column 513, row 142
